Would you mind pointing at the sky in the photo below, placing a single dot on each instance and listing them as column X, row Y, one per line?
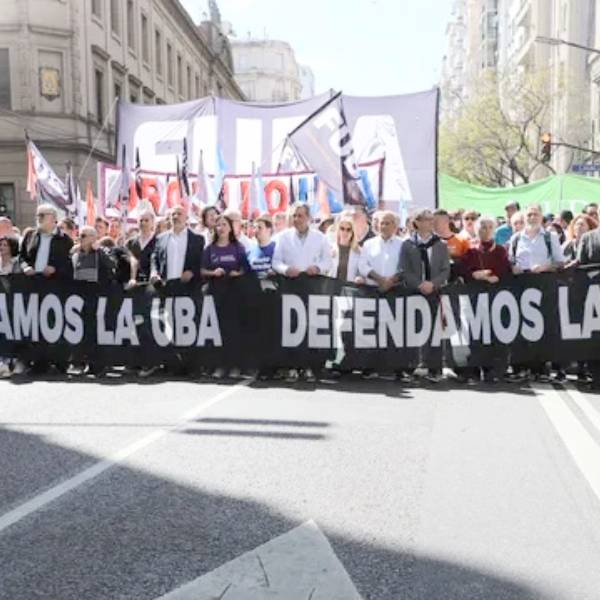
column 361, row 47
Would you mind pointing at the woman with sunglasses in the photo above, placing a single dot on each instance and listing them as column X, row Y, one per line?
column 469, row 231
column 346, row 252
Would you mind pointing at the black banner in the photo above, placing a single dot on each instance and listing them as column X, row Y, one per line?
column 304, row 322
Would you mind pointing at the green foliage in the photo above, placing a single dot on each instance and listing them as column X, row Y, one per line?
column 494, row 142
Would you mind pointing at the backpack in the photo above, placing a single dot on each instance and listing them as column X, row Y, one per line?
column 517, row 239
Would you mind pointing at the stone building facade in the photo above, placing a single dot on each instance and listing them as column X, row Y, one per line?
column 267, row 70
column 65, row 63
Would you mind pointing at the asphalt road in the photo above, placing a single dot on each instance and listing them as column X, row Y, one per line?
column 340, row 490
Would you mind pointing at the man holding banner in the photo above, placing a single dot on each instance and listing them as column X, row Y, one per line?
column 178, row 253
column 45, row 250
column 301, row 249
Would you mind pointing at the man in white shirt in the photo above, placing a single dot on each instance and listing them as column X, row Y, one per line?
column 380, row 256
column 535, row 250
column 46, row 250
column 301, row 249
column 177, row 253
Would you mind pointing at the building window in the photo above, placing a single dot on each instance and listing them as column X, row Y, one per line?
column 99, row 80
column 115, row 17
column 5, row 78
column 7, row 200
column 189, row 82
column 134, row 97
column 197, row 86
column 130, row 25
column 145, row 40
column 158, row 52
column 97, row 8
column 179, row 76
column 169, row 64
column 118, row 90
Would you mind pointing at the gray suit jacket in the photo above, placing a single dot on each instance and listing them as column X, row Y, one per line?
column 589, row 248
column 411, row 265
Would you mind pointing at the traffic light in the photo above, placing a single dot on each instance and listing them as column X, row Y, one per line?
column 546, row 147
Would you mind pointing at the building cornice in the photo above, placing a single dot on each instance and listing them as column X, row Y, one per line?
column 117, row 66
column 101, row 52
column 53, row 31
column 10, row 27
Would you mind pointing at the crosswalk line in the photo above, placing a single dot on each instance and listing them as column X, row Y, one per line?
column 580, row 444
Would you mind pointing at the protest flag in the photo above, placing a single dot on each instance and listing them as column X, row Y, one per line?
column 42, row 182
column 185, row 182
column 206, row 192
column 138, row 174
column 324, row 142
column 90, row 205
column 124, row 190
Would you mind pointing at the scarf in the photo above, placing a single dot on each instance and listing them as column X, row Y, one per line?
column 423, row 247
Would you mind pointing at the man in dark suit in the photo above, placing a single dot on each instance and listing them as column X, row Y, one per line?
column 425, row 268
column 177, row 253
column 46, row 249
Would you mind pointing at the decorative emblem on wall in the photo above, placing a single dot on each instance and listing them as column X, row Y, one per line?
column 49, row 82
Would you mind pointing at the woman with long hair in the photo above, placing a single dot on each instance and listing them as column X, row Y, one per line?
column 346, row 252
column 225, row 256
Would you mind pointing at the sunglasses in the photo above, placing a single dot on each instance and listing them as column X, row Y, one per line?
column 345, row 228
column 468, row 218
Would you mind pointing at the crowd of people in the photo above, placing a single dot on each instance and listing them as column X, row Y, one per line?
column 424, row 254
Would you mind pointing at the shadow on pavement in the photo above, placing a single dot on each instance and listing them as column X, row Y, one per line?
column 130, row 535
column 349, row 383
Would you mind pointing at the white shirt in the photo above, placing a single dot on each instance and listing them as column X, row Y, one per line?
column 381, row 256
column 301, row 252
column 533, row 252
column 176, row 249
column 43, row 253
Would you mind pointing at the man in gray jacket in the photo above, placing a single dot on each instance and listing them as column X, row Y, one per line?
column 425, row 268
column 424, row 260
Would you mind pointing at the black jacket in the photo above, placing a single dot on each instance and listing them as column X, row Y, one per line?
column 58, row 257
column 142, row 255
column 193, row 255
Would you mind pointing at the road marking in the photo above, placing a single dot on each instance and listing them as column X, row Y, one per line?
column 585, row 406
column 297, row 565
column 581, row 445
column 41, row 500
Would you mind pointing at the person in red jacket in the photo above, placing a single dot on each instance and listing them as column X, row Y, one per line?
column 485, row 260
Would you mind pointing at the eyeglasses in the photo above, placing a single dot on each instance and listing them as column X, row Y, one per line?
column 469, row 219
column 346, row 229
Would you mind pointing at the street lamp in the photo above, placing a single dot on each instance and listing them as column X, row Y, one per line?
column 558, row 42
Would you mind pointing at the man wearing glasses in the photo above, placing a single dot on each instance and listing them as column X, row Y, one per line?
column 468, row 233
column 535, row 250
column 46, row 250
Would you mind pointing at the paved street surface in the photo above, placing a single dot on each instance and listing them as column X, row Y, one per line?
column 342, row 490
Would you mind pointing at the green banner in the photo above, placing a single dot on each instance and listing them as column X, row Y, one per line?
column 553, row 193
